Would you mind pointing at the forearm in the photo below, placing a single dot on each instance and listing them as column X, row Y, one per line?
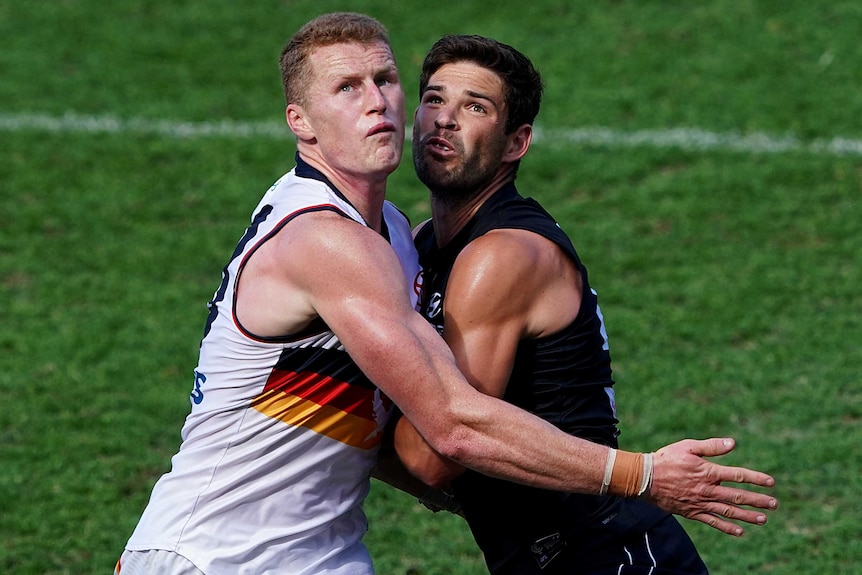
column 502, row 441
column 390, row 470
column 420, row 459
column 462, row 424
column 466, row 426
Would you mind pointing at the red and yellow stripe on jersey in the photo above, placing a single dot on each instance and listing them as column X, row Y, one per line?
column 336, row 409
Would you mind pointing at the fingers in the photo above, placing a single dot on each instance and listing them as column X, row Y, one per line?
column 739, row 497
column 726, row 506
column 718, row 516
column 736, row 513
column 687, row 484
column 721, row 446
column 743, row 475
column 718, row 523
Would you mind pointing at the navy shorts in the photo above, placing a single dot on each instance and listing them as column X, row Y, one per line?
column 663, row 549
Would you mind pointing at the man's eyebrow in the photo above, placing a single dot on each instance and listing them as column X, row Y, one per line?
column 472, row 94
column 481, row 96
column 340, row 75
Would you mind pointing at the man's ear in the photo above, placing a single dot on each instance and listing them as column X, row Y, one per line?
column 519, row 143
column 297, row 120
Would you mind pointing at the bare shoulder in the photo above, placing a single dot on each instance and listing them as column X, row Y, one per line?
column 509, row 256
column 310, row 264
column 326, row 234
column 517, row 273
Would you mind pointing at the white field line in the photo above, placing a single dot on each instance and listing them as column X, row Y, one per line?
column 693, row 139
column 75, row 123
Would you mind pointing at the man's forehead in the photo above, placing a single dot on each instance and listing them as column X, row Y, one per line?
column 336, row 58
column 467, row 77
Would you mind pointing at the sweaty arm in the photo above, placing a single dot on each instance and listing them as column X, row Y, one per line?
column 505, row 286
column 511, row 284
column 321, row 264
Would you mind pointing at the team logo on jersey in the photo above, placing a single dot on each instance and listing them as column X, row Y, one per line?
column 197, row 396
column 435, row 306
column 418, row 282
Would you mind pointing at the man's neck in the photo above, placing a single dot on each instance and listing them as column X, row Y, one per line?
column 365, row 193
column 449, row 220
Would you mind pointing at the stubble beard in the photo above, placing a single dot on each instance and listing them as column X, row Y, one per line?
column 455, row 182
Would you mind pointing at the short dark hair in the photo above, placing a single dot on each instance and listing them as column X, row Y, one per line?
column 522, row 83
column 325, row 30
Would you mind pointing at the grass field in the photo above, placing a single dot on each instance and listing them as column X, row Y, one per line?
column 705, row 157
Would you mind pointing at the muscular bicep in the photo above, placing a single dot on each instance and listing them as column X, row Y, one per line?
column 319, row 265
column 482, row 327
column 506, row 286
column 353, row 280
column 486, row 310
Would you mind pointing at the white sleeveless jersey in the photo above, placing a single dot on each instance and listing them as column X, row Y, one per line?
column 277, row 450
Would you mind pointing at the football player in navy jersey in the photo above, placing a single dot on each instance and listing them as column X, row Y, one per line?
column 507, row 290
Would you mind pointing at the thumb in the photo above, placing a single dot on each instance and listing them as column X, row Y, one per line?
column 713, row 446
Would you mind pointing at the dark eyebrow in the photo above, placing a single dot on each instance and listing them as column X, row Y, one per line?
column 472, row 94
column 481, row 96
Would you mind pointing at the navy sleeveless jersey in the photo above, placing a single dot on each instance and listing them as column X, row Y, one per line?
column 564, row 378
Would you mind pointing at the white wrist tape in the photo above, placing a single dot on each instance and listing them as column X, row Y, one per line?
column 609, row 470
column 646, row 479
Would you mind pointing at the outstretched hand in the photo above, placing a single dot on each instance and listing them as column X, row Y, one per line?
column 687, row 484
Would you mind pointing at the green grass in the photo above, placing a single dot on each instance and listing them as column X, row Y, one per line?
column 729, row 279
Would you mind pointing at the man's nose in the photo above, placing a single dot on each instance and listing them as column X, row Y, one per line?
column 445, row 120
column 376, row 100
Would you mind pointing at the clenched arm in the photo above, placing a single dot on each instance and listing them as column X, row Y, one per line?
column 322, row 264
column 505, row 286
column 347, row 274
column 510, row 285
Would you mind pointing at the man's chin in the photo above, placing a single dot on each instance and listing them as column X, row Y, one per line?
column 435, row 176
column 388, row 160
column 388, row 165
